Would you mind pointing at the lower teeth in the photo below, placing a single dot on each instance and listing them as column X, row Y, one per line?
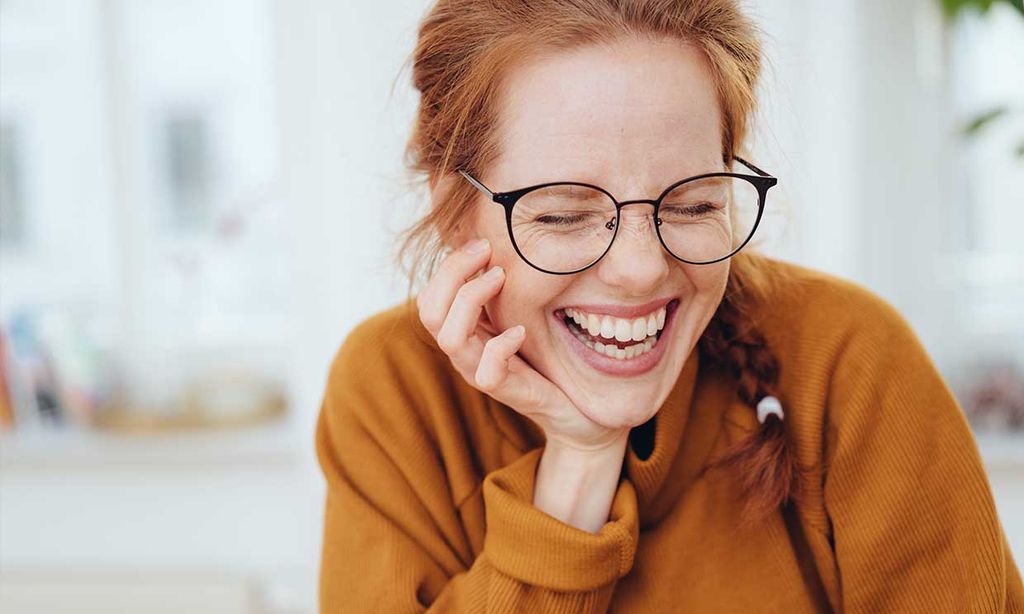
column 612, row 350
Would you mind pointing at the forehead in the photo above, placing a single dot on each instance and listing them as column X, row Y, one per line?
column 631, row 116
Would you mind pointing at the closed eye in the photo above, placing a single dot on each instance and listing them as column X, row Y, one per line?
column 688, row 211
column 563, row 220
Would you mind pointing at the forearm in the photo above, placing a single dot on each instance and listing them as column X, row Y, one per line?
column 577, row 486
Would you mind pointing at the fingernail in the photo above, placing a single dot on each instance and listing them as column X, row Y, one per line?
column 476, row 246
column 517, row 331
column 494, row 274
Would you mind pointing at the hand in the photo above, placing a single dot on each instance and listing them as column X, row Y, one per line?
column 450, row 308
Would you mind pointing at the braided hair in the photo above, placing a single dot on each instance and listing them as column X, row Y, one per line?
column 763, row 462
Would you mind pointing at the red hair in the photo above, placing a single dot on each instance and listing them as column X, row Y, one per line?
column 464, row 48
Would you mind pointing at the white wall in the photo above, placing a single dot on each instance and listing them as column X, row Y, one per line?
column 343, row 132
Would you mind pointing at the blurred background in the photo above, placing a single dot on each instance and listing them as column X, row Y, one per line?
column 198, row 200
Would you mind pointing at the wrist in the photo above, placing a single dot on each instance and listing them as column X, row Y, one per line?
column 577, row 484
column 614, row 443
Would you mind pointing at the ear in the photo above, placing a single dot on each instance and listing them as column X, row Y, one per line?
column 441, row 189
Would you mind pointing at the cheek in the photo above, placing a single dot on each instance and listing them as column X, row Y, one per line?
column 527, row 296
column 707, row 281
column 501, row 310
column 508, row 308
column 708, row 287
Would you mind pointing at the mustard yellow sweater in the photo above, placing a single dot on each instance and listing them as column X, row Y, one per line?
column 430, row 484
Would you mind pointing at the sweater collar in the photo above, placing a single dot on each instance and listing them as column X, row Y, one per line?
column 684, row 433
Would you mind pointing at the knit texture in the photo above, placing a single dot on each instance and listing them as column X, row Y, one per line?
column 430, row 484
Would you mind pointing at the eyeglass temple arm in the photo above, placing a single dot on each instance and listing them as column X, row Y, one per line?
column 477, row 184
column 751, row 166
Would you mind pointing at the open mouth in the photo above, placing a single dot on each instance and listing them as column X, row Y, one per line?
column 619, row 338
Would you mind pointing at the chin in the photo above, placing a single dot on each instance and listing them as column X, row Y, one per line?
column 623, row 408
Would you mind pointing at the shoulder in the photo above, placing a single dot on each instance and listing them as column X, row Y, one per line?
column 391, row 390
column 819, row 316
column 386, row 374
column 846, row 355
column 390, row 376
column 854, row 378
column 387, row 342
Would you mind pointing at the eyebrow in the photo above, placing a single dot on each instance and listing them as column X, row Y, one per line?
column 576, row 192
column 707, row 182
column 566, row 186
column 584, row 182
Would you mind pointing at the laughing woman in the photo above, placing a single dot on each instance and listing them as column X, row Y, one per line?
column 602, row 398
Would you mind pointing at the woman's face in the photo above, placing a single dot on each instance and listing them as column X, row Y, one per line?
column 632, row 117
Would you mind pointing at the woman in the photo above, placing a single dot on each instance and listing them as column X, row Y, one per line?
column 602, row 399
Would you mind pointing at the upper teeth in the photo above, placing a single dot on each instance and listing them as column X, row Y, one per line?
column 620, row 329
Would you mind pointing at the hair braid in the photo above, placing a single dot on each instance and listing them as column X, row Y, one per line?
column 764, row 462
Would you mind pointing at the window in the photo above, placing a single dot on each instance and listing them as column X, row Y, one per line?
column 151, row 201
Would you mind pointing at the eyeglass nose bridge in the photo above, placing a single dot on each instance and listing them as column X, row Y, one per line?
column 639, row 201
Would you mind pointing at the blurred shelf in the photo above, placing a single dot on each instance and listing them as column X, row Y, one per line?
column 269, row 445
column 1003, row 451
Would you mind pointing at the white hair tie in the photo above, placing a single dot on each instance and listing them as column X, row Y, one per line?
column 768, row 405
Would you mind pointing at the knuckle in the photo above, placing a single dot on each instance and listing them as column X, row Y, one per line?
column 453, row 264
column 474, row 291
column 494, row 347
column 532, row 399
column 486, row 358
column 483, row 381
column 467, row 292
column 448, row 341
column 488, row 373
column 429, row 318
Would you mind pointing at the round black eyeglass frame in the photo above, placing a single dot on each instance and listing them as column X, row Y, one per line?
column 761, row 181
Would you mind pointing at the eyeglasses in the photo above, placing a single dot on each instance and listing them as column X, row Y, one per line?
column 566, row 227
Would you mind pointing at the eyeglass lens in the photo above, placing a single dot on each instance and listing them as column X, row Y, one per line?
column 564, row 228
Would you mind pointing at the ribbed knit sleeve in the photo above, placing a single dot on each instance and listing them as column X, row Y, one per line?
column 394, row 539
column 536, row 550
column 914, row 523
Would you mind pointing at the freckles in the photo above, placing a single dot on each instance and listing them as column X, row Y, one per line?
column 708, row 278
column 514, row 303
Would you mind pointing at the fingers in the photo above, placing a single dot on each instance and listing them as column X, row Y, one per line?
column 494, row 368
column 437, row 297
column 451, row 308
column 510, row 380
column 464, row 315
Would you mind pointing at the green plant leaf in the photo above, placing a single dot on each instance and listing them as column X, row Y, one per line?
column 980, row 121
column 953, row 8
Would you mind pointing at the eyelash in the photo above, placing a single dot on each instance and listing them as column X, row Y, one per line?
column 557, row 220
column 697, row 210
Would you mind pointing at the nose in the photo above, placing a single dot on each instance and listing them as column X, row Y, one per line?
column 636, row 262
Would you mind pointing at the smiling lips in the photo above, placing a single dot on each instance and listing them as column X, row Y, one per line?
column 620, row 338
